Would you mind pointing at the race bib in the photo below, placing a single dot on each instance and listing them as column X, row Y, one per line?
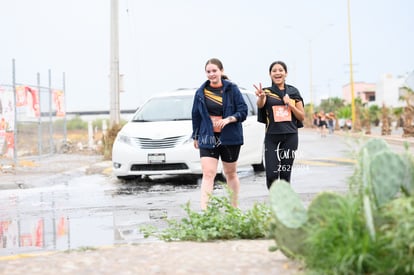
column 214, row 120
column 282, row 113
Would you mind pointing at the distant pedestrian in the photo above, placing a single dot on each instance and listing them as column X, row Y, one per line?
column 280, row 106
column 331, row 122
column 315, row 120
column 217, row 115
column 323, row 124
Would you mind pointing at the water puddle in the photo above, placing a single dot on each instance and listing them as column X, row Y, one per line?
column 87, row 211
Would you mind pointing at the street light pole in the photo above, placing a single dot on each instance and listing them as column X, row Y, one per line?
column 351, row 73
column 310, row 39
column 114, row 112
column 310, row 78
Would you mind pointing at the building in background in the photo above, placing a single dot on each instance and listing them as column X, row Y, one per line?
column 364, row 91
column 386, row 91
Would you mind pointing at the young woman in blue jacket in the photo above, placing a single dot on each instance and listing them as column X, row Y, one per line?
column 217, row 115
column 280, row 107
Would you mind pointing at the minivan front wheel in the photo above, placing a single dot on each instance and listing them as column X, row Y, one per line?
column 260, row 167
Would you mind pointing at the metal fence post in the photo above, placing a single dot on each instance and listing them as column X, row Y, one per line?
column 64, row 102
column 15, row 112
column 50, row 114
column 39, row 120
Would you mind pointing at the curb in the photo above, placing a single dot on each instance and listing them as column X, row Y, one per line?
column 391, row 139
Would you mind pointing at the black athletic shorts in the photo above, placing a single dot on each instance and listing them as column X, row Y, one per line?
column 228, row 153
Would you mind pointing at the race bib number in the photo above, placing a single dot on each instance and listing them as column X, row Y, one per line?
column 214, row 120
column 282, row 113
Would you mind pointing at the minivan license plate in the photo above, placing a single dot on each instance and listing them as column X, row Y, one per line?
column 156, row 158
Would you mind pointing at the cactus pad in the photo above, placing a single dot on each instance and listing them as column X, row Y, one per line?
column 287, row 205
column 387, row 171
column 374, row 146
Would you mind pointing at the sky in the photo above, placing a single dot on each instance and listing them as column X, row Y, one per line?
column 164, row 44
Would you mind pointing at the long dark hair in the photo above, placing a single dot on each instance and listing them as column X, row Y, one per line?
column 281, row 63
column 217, row 62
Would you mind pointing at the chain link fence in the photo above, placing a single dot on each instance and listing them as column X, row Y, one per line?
column 32, row 121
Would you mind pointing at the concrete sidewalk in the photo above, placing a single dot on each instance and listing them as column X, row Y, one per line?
column 220, row 257
column 394, row 138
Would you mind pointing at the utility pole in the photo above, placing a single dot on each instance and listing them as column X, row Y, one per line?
column 310, row 78
column 114, row 111
column 351, row 73
column 310, row 39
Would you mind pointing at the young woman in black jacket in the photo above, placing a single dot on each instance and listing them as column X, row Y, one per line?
column 280, row 107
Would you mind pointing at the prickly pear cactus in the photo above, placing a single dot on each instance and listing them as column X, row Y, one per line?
column 380, row 175
column 369, row 148
column 367, row 194
column 374, row 146
column 407, row 184
column 387, row 170
column 286, row 205
column 322, row 204
column 289, row 216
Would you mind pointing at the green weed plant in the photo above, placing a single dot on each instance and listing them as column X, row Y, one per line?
column 370, row 230
column 220, row 221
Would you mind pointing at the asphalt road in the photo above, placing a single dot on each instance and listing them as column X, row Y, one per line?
column 71, row 201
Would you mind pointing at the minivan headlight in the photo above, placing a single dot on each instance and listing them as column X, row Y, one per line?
column 125, row 139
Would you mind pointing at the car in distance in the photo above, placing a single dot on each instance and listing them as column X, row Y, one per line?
column 157, row 139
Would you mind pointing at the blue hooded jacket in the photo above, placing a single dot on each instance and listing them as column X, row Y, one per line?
column 233, row 105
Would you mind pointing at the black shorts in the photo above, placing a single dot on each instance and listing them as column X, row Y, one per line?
column 228, row 153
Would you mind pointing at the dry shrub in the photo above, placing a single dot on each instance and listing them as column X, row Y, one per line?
column 108, row 140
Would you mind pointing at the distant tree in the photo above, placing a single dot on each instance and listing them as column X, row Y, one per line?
column 359, row 113
column 367, row 121
column 331, row 104
column 344, row 112
column 398, row 113
column 76, row 123
column 375, row 114
column 308, row 116
column 385, row 119
column 408, row 97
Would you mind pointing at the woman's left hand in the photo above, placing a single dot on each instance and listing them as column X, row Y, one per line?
column 286, row 100
column 223, row 122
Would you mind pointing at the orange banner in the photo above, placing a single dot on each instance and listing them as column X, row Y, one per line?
column 59, row 101
column 28, row 97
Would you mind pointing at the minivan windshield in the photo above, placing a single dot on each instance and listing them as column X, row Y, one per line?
column 165, row 109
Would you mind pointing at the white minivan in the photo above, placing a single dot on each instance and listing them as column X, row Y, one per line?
column 157, row 139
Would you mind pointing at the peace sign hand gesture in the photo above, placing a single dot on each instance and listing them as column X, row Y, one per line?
column 259, row 91
column 261, row 96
